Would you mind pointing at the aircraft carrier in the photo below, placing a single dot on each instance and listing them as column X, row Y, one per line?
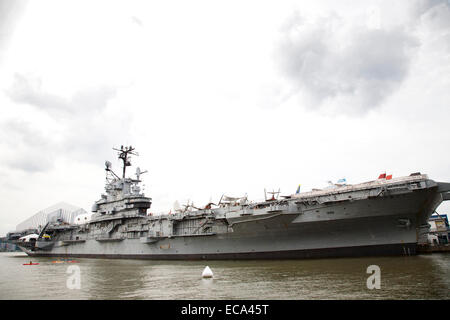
column 387, row 216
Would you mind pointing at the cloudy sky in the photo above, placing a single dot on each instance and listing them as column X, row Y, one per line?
column 218, row 97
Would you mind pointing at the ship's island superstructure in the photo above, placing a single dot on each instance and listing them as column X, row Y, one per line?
column 381, row 217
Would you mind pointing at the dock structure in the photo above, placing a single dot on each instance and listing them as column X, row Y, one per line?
column 438, row 235
column 423, row 249
column 8, row 246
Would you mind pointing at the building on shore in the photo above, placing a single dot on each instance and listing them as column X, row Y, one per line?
column 7, row 246
column 439, row 230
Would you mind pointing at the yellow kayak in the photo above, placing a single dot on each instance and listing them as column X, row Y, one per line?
column 58, row 261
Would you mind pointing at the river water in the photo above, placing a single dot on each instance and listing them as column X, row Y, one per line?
column 416, row 277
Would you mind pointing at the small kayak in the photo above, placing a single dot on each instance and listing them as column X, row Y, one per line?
column 58, row 261
column 30, row 264
column 73, row 261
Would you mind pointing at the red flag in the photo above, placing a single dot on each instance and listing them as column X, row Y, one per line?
column 389, row 177
column 382, row 176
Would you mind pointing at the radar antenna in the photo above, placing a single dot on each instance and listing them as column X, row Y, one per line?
column 139, row 173
column 110, row 177
column 124, row 156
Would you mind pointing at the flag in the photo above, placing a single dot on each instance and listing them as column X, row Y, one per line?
column 298, row 189
column 341, row 180
column 382, row 176
column 389, row 177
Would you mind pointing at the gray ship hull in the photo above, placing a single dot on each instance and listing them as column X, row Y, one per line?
column 356, row 251
column 366, row 227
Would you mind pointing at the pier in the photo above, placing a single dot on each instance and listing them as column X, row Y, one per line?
column 7, row 246
column 424, row 249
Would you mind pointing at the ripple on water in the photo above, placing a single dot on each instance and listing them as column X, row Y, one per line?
column 420, row 277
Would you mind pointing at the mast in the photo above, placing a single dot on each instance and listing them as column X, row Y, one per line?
column 124, row 156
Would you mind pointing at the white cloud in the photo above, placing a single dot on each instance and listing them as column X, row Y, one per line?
column 334, row 61
column 81, row 126
column 32, row 150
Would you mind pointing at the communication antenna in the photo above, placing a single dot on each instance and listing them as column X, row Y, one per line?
column 139, row 173
column 124, row 153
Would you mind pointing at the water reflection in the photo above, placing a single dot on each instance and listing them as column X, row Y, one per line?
column 113, row 279
column 419, row 277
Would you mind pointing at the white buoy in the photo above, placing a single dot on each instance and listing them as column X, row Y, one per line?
column 207, row 273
